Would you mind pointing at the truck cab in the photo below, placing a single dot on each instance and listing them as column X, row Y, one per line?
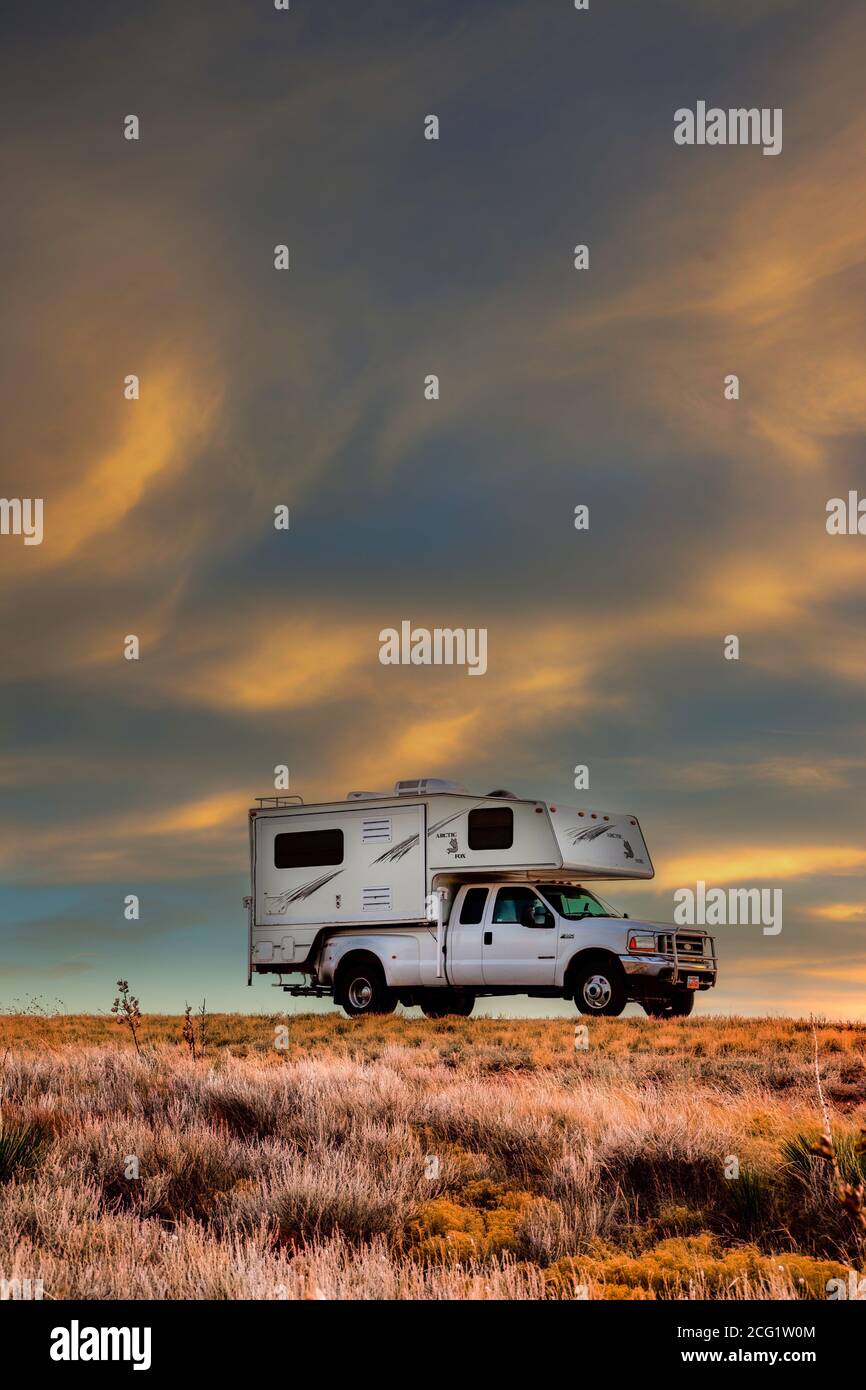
column 563, row 939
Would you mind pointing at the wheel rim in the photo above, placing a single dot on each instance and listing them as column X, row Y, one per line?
column 360, row 993
column 597, row 991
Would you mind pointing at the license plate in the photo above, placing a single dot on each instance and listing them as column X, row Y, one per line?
column 692, row 982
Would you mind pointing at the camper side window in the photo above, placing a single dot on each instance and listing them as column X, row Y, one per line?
column 308, row 849
column 491, row 827
column 473, row 906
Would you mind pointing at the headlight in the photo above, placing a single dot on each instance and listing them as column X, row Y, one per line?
column 642, row 941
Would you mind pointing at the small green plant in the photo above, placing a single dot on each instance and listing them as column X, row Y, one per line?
column 752, row 1201
column 127, row 1012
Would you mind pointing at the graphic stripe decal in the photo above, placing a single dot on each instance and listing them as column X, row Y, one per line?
column 591, row 832
column 280, row 903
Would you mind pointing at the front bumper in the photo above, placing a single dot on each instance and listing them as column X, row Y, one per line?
column 670, row 968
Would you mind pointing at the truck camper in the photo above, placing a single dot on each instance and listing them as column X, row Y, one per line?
column 434, row 896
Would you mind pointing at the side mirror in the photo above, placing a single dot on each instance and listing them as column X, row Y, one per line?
column 625, row 914
column 536, row 916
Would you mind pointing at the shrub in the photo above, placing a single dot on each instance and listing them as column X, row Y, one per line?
column 489, row 1220
column 22, row 1144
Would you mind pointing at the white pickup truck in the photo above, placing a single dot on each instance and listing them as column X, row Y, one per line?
column 432, row 896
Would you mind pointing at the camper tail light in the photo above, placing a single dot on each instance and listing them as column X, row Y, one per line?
column 642, row 941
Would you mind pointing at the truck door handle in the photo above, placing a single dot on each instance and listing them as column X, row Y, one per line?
column 488, row 938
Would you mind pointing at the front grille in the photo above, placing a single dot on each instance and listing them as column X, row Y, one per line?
column 689, row 945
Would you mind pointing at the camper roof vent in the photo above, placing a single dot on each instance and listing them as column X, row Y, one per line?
column 363, row 796
column 425, row 786
column 512, row 796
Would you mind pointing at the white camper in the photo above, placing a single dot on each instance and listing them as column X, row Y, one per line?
column 375, row 900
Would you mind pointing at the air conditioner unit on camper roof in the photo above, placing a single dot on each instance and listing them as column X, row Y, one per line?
column 425, row 786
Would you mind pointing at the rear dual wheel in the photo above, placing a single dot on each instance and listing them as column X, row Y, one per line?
column 442, row 1002
column 362, row 990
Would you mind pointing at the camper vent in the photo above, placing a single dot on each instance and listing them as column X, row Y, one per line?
column 376, row 832
column 377, row 899
column 426, row 786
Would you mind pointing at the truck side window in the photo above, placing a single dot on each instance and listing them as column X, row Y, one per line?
column 491, row 827
column 510, row 902
column 308, row 849
column 474, row 903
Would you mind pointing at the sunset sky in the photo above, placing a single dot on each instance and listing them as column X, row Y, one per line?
column 306, row 387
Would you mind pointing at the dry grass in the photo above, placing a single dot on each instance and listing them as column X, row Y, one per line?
column 306, row 1173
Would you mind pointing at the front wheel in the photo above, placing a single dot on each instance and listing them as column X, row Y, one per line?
column 599, row 989
column 363, row 990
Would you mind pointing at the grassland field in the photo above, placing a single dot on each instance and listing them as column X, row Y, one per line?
column 314, row 1156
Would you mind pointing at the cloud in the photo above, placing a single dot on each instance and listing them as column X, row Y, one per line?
column 167, row 840
column 840, row 912
column 151, row 442
column 762, row 863
column 830, row 774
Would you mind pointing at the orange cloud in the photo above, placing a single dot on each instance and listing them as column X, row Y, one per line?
column 268, row 663
column 158, row 436
column 840, row 912
column 755, row 863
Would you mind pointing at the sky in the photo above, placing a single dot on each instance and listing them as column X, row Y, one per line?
column 601, row 387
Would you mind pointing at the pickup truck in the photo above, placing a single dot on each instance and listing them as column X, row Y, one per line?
column 437, row 896
column 545, row 940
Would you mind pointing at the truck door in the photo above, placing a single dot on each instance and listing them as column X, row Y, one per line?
column 464, row 937
column 512, row 952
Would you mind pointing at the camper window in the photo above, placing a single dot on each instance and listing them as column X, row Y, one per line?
column 473, row 906
column 491, row 827
column 308, row 849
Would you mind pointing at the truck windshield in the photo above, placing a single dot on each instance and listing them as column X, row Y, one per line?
column 570, row 900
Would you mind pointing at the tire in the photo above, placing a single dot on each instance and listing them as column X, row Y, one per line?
column 363, row 990
column 678, row 1006
column 599, row 989
column 682, row 1004
column 442, row 1002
